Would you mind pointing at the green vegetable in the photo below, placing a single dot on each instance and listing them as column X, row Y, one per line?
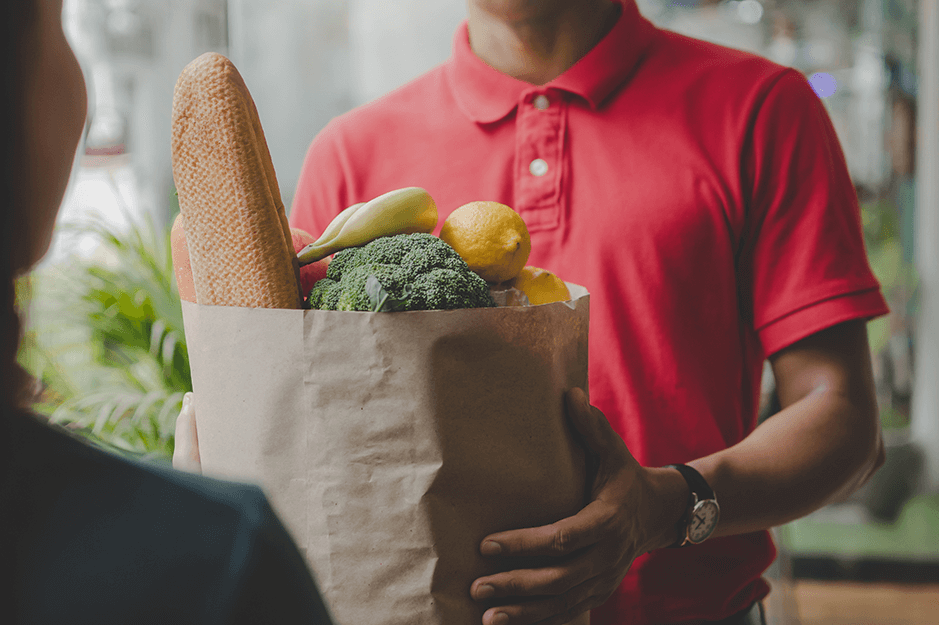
column 403, row 272
column 380, row 300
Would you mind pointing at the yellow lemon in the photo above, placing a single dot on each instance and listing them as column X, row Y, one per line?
column 491, row 237
column 541, row 286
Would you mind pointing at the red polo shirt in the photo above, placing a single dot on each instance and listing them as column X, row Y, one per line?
column 698, row 192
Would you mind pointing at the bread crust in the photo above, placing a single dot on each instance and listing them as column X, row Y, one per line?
column 181, row 266
column 236, row 228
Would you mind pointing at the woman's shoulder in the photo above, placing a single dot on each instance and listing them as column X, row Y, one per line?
column 87, row 517
column 49, row 454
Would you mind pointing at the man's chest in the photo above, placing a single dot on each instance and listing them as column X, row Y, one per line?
column 644, row 199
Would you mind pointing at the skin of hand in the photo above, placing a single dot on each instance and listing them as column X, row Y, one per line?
column 632, row 511
column 186, row 449
column 824, row 444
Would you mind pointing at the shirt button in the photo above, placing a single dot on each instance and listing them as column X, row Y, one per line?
column 538, row 167
column 542, row 102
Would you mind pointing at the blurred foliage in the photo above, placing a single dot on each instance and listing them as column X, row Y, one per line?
column 893, row 419
column 880, row 222
column 887, row 258
column 894, row 270
column 105, row 340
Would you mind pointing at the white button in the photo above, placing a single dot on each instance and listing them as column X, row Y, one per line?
column 538, row 167
column 542, row 102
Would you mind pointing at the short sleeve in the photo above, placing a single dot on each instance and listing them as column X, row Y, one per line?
column 804, row 265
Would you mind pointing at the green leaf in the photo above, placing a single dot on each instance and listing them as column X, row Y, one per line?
column 376, row 293
column 380, row 299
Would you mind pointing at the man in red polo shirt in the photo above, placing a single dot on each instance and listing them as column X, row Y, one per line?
column 701, row 195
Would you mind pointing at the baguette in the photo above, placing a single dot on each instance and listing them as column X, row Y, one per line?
column 235, row 226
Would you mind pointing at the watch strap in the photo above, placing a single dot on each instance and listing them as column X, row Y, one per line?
column 699, row 490
column 696, row 481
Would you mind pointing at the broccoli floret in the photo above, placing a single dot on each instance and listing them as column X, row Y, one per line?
column 324, row 295
column 414, row 272
column 421, row 261
column 354, row 296
column 391, row 250
column 417, row 253
column 446, row 289
column 342, row 259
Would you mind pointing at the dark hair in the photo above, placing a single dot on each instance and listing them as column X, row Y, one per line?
column 17, row 20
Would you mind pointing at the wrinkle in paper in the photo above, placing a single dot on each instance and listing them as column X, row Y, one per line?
column 392, row 443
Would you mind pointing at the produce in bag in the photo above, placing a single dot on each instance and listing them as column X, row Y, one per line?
column 391, row 443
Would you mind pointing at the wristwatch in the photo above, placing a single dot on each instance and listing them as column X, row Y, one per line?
column 700, row 520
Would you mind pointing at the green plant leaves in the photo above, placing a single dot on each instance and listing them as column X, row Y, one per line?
column 105, row 340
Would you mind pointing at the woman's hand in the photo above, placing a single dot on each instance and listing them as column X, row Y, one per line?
column 186, row 451
column 633, row 510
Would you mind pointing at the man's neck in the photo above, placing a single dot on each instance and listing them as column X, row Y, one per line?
column 539, row 45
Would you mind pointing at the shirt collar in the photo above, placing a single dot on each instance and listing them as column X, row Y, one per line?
column 486, row 95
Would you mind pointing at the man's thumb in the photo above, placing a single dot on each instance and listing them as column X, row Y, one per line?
column 589, row 423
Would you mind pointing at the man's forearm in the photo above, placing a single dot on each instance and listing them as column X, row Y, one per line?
column 815, row 451
column 824, row 443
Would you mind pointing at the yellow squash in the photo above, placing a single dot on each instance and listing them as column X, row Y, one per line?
column 401, row 211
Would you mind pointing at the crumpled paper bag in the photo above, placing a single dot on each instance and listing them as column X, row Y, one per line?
column 391, row 444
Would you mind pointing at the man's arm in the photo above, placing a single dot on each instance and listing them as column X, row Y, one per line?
column 823, row 444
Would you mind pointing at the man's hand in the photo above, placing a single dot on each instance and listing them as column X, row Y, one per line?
column 186, row 450
column 633, row 510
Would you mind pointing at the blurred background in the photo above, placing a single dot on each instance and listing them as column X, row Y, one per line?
column 112, row 359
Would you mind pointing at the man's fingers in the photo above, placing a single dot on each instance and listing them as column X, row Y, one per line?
column 578, row 535
column 553, row 582
column 557, row 539
column 586, row 553
column 589, row 422
column 186, row 450
column 555, row 610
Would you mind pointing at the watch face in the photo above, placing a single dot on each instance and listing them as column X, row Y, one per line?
column 704, row 519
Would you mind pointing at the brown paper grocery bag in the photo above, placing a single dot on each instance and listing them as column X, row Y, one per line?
column 392, row 443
